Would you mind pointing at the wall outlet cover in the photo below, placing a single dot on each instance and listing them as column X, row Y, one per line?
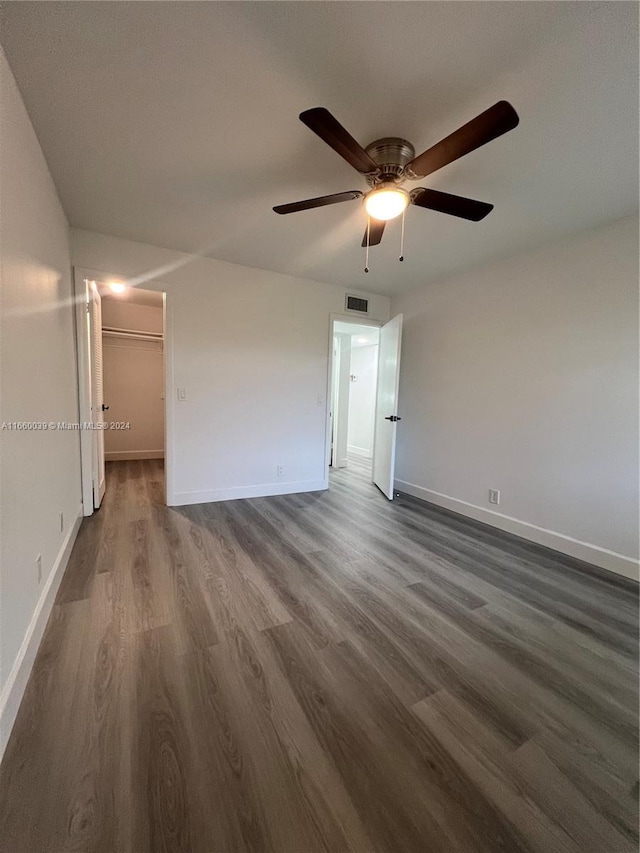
column 494, row 496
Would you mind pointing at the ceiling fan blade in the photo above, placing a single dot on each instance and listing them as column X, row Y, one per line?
column 321, row 201
column 455, row 205
column 329, row 129
column 376, row 231
column 490, row 124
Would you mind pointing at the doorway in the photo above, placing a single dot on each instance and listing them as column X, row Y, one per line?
column 355, row 354
column 365, row 365
column 121, row 369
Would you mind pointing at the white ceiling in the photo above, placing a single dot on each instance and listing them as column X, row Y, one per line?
column 176, row 124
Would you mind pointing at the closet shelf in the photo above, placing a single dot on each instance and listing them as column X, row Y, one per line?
column 112, row 332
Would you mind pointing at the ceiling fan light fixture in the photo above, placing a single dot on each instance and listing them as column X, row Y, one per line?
column 386, row 203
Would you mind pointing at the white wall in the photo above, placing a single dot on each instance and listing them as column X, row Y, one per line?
column 340, row 410
column 523, row 376
column 124, row 314
column 40, row 470
column 133, row 382
column 362, row 399
column 250, row 348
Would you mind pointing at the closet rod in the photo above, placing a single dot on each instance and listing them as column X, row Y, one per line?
column 131, row 333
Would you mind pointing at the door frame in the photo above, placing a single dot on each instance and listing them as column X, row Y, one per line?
column 94, row 325
column 341, row 318
column 80, row 276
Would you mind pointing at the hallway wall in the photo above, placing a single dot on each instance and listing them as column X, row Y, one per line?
column 362, row 399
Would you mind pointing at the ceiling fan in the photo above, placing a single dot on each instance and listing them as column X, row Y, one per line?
column 389, row 162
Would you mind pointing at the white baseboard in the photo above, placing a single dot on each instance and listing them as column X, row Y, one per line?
column 123, row 455
column 594, row 554
column 16, row 683
column 359, row 451
column 263, row 490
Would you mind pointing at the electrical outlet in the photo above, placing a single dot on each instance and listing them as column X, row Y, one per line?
column 494, row 496
column 279, row 471
column 39, row 568
column 61, row 522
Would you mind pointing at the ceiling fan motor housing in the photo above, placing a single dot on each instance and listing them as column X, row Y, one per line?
column 391, row 154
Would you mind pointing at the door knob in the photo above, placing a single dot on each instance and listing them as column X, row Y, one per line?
column 393, row 418
column 104, row 408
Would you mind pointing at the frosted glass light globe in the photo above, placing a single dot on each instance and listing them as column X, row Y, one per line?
column 386, row 203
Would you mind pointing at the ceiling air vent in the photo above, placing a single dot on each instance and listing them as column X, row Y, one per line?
column 356, row 304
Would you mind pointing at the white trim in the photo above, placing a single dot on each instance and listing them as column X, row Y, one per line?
column 80, row 278
column 169, row 401
column 122, row 455
column 16, row 683
column 359, row 451
column 594, row 554
column 264, row 490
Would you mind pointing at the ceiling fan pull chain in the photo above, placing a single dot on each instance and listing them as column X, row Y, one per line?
column 366, row 258
column 401, row 258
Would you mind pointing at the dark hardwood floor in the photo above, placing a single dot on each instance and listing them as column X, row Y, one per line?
column 323, row 672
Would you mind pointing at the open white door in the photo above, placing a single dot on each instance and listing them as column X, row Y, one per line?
column 94, row 321
column 384, row 442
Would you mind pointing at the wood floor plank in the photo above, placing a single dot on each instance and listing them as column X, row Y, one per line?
column 43, row 708
column 325, row 672
column 233, row 568
column 387, row 801
column 272, row 731
column 564, row 803
column 540, row 667
column 191, row 618
column 608, row 621
column 485, row 758
column 614, row 799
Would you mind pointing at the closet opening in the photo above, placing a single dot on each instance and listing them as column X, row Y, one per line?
column 133, row 365
column 121, row 361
